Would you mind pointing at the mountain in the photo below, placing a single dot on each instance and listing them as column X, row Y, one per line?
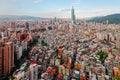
column 113, row 19
column 14, row 17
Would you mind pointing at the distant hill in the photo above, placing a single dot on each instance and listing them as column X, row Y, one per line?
column 14, row 17
column 113, row 19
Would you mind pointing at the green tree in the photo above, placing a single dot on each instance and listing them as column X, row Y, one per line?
column 103, row 55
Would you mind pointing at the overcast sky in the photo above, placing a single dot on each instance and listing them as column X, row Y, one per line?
column 59, row 8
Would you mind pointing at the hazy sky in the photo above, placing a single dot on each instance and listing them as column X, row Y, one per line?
column 59, row 8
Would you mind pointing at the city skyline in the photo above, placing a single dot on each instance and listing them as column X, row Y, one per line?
column 59, row 40
column 61, row 9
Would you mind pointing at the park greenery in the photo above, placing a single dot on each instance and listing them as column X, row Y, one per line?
column 102, row 55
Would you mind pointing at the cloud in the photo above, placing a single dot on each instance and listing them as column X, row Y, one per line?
column 64, row 10
column 37, row 1
column 77, row 2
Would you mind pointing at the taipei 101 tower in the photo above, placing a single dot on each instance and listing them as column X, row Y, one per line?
column 73, row 16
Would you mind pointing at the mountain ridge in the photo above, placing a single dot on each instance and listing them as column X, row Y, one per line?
column 112, row 18
column 22, row 17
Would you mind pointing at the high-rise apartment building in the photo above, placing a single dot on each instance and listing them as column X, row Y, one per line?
column 6, row 57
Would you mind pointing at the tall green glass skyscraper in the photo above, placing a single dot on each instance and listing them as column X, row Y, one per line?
column 73, row 16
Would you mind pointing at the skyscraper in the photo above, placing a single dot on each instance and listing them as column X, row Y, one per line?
column 73, row 16
column 27, row 25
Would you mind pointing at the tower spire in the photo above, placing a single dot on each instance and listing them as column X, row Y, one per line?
column 73, row 16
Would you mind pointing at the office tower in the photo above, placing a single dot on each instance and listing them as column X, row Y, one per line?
column 27, row 25
column 73, row 16
column 6, row 57
column 55, row 19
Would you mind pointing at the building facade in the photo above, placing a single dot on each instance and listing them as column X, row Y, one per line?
column 6, row 57
column 73, row 16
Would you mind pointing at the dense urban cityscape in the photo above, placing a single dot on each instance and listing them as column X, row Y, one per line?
column 60, row 49
column 59, row 39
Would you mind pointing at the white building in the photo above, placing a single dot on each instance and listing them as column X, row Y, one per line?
column 19, row 50
column 31, row 73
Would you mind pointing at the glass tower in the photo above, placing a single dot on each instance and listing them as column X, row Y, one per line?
column 73, row 16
